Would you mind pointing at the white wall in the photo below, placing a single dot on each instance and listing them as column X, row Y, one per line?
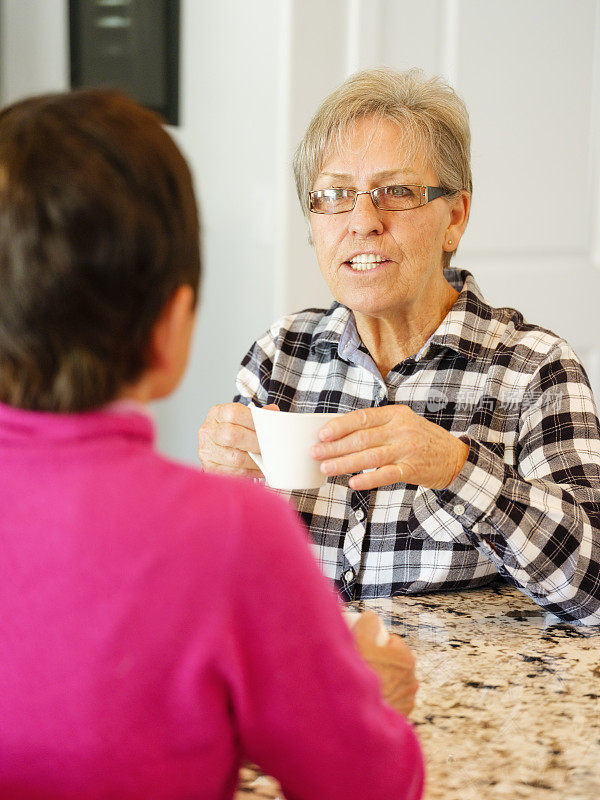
column 253, row 72
column 229, row 131
column 33, row 49
column 230, row 85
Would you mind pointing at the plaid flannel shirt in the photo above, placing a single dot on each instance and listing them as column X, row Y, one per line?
column 526, row 503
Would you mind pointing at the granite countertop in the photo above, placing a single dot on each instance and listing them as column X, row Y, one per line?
column 509, row 698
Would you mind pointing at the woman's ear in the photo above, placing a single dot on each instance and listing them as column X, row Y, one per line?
column 170, row 341
column 167, row 350
column 459, row 216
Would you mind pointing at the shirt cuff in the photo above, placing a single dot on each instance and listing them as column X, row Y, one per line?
column 474, row 492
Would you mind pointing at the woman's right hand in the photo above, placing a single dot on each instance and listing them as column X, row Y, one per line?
column 226, row 437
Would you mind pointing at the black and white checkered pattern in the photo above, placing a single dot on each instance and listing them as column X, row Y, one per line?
column 527, row 502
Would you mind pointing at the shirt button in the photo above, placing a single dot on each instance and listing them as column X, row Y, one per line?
column 459, row 509
column 348, row 575
column 359, row 514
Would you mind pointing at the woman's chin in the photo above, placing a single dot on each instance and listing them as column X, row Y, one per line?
column 368, row 305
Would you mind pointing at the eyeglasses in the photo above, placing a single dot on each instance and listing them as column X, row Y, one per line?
column 386, row 198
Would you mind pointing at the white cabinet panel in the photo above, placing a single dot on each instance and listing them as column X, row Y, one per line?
column 401, row 34
column 315, row 63
column 411, row 35
column 525, row 70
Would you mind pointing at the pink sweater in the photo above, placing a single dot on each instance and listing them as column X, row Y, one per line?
column 159, row 625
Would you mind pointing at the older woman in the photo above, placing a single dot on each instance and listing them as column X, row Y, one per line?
column 471, row 446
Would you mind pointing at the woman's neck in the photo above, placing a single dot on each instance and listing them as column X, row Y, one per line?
column 392, row 338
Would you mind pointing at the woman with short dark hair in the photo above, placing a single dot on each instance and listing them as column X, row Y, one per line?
column 149, row 624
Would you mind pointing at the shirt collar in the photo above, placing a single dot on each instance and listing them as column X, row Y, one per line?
column 331, row 327
column 466, row 328
column 25, row 427
column 127, row 405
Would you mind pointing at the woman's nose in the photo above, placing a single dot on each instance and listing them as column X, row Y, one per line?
column 365, row 217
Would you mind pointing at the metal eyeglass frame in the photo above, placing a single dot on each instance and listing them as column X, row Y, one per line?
column 426, row 195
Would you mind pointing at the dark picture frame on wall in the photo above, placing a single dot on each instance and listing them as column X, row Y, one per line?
column 132, row 45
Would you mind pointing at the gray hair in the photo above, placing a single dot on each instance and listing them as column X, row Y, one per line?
column 433, row 119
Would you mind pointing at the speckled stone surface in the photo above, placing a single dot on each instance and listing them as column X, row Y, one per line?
column 509, row 698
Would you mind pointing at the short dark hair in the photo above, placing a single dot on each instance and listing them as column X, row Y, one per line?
column 98, row 227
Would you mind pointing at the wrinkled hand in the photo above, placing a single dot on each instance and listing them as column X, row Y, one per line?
column 401, row 446
column 393, row 663
column 226, row 437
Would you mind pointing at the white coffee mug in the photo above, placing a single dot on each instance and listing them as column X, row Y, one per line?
column 286, row 439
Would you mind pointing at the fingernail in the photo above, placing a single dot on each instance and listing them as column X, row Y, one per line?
column 327, row 467
column 324, row 434
column 317, row 451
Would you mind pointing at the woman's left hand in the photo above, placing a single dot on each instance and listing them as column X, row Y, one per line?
column 399, row 445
